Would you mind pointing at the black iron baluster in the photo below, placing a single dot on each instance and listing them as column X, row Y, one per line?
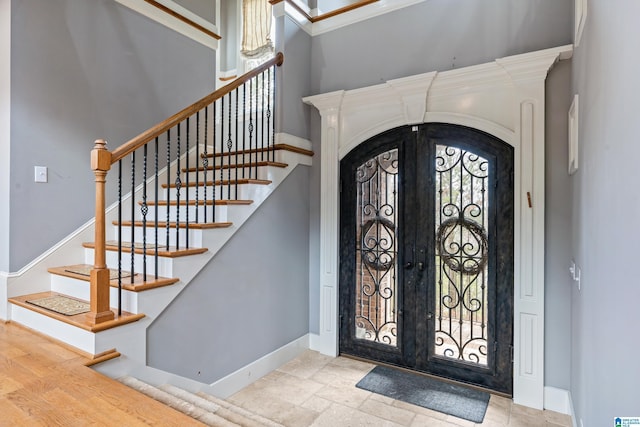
column 236, row 147
column 244, row 119
column 167, row 225
column 221, row 149
column 155, row 207
column 119, row 238
column 144, row 209
column 213, row 165
column 186, row 199
column 133, row 212
column 271, row 147
column 178, row 187
column 251, row 131
column 262, row 118
column 205, row 158
column 229, row 145
column 197, row 163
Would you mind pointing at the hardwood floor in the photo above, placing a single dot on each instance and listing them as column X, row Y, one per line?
column 45, row 384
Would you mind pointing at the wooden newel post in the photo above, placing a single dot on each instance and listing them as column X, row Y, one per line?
column 100, row 307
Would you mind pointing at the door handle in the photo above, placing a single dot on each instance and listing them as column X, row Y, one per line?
column 408, row 265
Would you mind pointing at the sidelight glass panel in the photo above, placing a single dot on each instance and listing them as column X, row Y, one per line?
column 462, row 201
column 376, row 317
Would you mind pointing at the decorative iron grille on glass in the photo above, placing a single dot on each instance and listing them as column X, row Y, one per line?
column 198, row 156
column 376, row 317
column 461, row 255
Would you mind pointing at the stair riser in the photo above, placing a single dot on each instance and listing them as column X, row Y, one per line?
column 81, row 289
column 165, row 265
column 74, row 336
column 221, row 213
column 195, row 236
column 223, row 174
column 277, row 156
column 233, row 192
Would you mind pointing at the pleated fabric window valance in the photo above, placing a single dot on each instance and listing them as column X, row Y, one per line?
column 256, row 28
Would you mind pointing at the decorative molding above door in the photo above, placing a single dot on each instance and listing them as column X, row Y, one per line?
column 504, row 98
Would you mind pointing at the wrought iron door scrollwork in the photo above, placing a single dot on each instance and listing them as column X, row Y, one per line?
column 462, row 251
column 378, row 243
column 468, row 257
column 376, row 249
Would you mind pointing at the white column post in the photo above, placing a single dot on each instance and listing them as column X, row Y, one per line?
column 329, row 107
column 528, row 73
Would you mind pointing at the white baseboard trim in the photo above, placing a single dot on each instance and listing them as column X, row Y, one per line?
column 360, row 14
column 174, row 23
column 557, row 400
column 222, row 388
column 314, row 342
column 246, row 375
column 4, row 304
column 574, row 419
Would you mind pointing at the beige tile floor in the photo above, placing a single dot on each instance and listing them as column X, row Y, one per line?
column 317, row 390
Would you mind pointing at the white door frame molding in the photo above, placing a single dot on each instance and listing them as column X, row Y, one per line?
column 505, row 98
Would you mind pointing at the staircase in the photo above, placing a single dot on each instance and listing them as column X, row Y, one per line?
column 197, row 178
column 142, row 300
column 201, row 406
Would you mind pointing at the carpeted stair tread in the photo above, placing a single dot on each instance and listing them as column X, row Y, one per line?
column 176, row 403
column 208, row 405
column 163, row 224
column 277, row 147
column 238, row 165
column 241, row 411
column 139, row 284
column 210, row 183
column 163, row 251
column 199, row 202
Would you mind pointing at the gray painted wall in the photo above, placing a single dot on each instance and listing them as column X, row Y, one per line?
column 296, row 74
column 557, row 297
column 229, row 45
column 440, row 35
column 83, row 70
column 204, row 8
column 251, row 299
column 606, row 207
column 326, row 6
column 436, row 35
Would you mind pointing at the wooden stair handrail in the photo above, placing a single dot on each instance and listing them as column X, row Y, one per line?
column 148, row 135
column 327, row 15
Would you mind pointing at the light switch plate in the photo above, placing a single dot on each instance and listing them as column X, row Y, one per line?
column 41, row 174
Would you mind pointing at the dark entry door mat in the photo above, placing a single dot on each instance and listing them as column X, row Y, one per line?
column 451, row 399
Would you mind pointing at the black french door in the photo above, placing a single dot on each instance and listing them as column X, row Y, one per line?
column 426, row 253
